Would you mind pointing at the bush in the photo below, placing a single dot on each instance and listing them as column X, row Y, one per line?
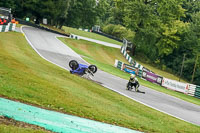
column 108, row 29
column 118, row 31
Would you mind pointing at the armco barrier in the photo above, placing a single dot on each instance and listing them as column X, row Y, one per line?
column 39, row 27
column 197, row 92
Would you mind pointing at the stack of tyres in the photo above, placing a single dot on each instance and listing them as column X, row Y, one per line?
column 197, row 92
column 3, row 21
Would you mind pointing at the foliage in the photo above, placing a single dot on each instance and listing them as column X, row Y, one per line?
column 83, row 14
column 55, row 11
column 118, row 31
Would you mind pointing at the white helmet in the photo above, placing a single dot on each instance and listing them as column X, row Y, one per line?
column 132, row 76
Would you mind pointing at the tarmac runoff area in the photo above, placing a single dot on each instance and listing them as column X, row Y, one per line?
column 100, row 42
column 55, row 121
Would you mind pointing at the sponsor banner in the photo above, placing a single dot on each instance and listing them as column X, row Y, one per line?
column 130, row 69
column 152, row 77
column 175, row 85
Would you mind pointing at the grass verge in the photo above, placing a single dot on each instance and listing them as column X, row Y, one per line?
column 104, row 58
column 90, row 35
column 28, row 78
column 16, row 129
column 8, row 125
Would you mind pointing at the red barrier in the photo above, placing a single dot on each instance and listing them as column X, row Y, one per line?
column 3, row 21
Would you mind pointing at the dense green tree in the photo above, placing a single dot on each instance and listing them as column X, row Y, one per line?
column 191, row 6
column 83, row 14
column 190, row 46
column 55, row 10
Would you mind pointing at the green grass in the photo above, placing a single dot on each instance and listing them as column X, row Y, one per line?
column 137, row 58
column 104, row 58
column 26, row 77
column 90, row 35
column 15, row 129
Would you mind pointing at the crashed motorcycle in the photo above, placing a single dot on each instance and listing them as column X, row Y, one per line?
column 86, row 71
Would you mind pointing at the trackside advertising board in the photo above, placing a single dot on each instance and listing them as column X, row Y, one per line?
column 152, row 77
column 130, row 69
column 175, row 85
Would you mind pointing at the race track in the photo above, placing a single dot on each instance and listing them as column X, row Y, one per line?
column 53, row 50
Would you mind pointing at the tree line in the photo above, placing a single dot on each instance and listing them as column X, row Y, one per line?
column 162, row 30
column 165, row 31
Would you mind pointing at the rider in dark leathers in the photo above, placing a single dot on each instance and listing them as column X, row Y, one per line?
column 133, row 81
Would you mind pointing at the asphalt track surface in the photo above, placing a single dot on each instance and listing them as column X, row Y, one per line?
column 49, row 47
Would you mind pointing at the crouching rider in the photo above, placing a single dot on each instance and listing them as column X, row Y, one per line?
column 133, row 81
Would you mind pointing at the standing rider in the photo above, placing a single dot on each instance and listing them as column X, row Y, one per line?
column 133, row 81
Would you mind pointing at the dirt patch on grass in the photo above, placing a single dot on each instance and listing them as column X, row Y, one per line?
column 9, row 121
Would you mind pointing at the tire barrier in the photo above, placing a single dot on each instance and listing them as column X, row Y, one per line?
column 74, row 36
column 4, row 21
column 197, row 92
column 6, row 28
column 191, row 90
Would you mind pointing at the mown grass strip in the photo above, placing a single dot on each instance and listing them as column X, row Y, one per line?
column 90, row 35
column 104, row 58
column 26, row 77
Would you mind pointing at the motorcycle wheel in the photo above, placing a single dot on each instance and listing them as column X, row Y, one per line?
column 73, row 64
column 93, row 68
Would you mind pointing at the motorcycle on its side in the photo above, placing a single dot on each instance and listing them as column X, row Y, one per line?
column 82, row 70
